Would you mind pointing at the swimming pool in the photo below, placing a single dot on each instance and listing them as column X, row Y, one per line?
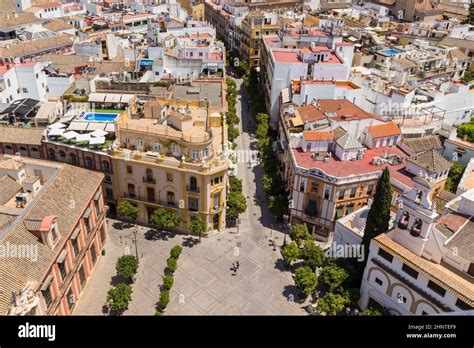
column 390, row 52
column 100, row 117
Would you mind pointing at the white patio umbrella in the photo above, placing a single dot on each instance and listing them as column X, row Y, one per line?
column 83, row 137
column 97, row 141
column 56, row 132
column 57, row 125
column 98, row 133
column 70, row 135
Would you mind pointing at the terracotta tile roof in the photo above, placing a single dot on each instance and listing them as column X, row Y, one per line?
column 18, row 135
column 69, row 184
column 309, row 113
column 422, row 144
column 13, row 20
column 10, row 163
column 8, row 189
column 441, row 199
column 439, row 274
column 431, row 161
column 37, row 46
column 311, row 135
column 384, row 130
column 450, row 223
column 463, row 241
column 57, row 25
column 49, row 5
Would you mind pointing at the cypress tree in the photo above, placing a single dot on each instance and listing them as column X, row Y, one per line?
column 379, row 213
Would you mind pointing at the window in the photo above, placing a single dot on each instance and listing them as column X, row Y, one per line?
column 70, row 299
column 353, row 192
column 326, row 193
column 169, row 177
column 170, row 198
column 193, row 203
column 72, row 158
column 314, row 187
column 410, row 271
column 150, row 194
column 108, row 179
column 93, row 253
column 97, row 206
column 139, row 143
column 311, row 208
column 75, row 246
column 302, row 186
column 51, row 154
column 47, row 295
column 62, row 154
column 89, row 163
column 205, row 152
column 401, row 298
column 378, row 281
column 339, row 212
column 25, row 90
column 149, row 175
column 369, row 189
column 62, row 269
column 157, row 146
column 106, row 166
column 216, row 200
column 131, row 190
column 195, row 154
column 129, row 170
column 341, row 194
column 82, row 275
column 385, row 255
column 436, row 288
column 87, row 222
column 175, row 149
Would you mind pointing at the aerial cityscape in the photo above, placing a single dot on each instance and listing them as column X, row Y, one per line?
column 236, row 157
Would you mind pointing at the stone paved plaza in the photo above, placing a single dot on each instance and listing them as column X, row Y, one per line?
column 203, row 282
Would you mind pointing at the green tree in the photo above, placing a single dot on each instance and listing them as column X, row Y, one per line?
column 127, row 210
column 300, row 234
column 119, row 297
column 163, row 218
column 332, row 277
column 332, row 304
column 313, row 255
column 176, row 251
column 232, row 132
column 172, row 264
column 164, row 299
column 232, row 118
column 127, row 266
column 236, row 204
column 379, row 213
column 168, row 281
column 466, row 130
column 278, row 205
column 235, row 184
column 454, row 177
column 306, row 280
column 291, row 252
column 197, row 227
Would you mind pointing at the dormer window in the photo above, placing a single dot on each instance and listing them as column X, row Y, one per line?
column 48, row 231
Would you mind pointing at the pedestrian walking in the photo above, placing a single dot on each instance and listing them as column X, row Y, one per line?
column 237, row 264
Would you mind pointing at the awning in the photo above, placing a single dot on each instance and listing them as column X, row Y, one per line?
column 113, row 98
column 352, row 39
column 78, row 126
column 87, row 213
column 47, row 282
column 96, row 97
column 62, row 256
column 76, row 233
column 126, row 98
column 97, row 141
column 110, row 127
column 96, row 126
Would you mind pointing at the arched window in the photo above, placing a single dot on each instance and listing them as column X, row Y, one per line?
column 131, row 190
column 405, row 218
column 51, row 154
column 106, row 166
column 419, row 195
column 72, row 158
column 139, row 143
column 23, row 149
column 157, row 146
column 62, row 154
column 34, row 149
column 416, row 228
column 89, row 163
column 205, row 153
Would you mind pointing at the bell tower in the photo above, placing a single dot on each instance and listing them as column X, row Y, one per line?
column 416, row 216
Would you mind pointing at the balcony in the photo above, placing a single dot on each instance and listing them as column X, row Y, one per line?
column 149, row 180
column 192, row 189
column 150, row 199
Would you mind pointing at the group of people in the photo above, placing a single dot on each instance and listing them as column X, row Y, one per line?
column 235, row 267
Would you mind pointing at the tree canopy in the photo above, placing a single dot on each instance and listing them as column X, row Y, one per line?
column 127, row 210
column 163, row 218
